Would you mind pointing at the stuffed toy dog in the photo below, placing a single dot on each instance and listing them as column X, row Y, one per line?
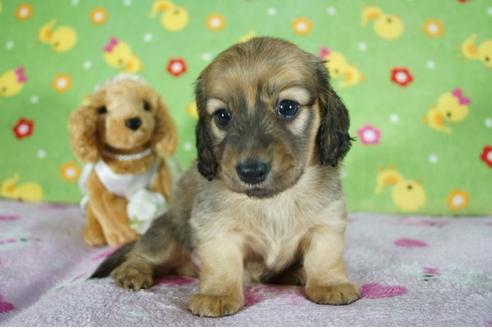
column 125, row 135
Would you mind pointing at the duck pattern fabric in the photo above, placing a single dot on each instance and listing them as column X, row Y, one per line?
column 415, row 76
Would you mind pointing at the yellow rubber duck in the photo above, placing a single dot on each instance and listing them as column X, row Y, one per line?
column 192, row 110
column 119, row 55
column 451, row 107
column 12, row 82
column 407, row 195
column 28, row 191
column 483, row 52
column 388, row 27
column 174, row 18
column 61, row 39
column 248, row 36
column 340, row 69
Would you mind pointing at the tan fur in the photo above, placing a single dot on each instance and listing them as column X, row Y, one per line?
column 94, row 134
column 293, row 230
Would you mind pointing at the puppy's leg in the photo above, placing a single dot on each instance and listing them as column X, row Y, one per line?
column 156, row 248
column 327, row 281
column 93, row 234
column 220, row 278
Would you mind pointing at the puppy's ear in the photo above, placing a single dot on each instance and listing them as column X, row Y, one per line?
column 333, row 139
column 207, row 162
column 165, row 137
column 83, row 134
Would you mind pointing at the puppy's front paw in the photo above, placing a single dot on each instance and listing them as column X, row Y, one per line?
column 132, row 276
column 341, row 294
column 214, row 306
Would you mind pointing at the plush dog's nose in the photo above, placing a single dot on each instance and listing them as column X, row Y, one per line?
column 252, row 172
column 133, row 123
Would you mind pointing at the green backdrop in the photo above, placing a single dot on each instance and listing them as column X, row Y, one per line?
column 402, row 68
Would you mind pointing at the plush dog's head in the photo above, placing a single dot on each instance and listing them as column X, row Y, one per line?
column 124, row 115
column 266, row 111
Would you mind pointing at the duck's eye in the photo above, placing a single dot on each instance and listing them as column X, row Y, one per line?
column 222, row 117
column 102, row 110
column 409, row 187
column 146, row 106
column 287, row 108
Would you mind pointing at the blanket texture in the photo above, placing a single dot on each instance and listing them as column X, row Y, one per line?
column 412, row 271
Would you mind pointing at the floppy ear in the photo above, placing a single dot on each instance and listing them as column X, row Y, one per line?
column 83, row 134
column 165, row 137
column 207, row 163
column 333, row 140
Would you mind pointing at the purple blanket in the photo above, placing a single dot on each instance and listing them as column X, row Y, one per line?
column 412, row 271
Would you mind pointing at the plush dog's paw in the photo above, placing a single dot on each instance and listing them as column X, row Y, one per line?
column 340, row 294
column 132, row 276
column 214, row 306
column 93, row 237
column 120, row 236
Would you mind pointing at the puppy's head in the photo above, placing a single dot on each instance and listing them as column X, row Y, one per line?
column 124, row 115
column 266, row 111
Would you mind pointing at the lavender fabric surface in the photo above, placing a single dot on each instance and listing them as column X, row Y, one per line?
column 412, row 271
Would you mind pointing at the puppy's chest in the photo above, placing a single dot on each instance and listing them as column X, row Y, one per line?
column 272, row 234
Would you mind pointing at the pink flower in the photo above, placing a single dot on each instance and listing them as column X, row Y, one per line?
column 431, row 271
column 401, row 76
column 376, row 290
column 176, row 66
column 369, row 135
column 5, row 306
column 410, row 243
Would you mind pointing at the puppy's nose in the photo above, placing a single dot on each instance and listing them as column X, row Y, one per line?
column 252, row 172
column 133, row 123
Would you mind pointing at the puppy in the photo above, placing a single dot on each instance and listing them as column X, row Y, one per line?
column 123, row 133
column 264, row 202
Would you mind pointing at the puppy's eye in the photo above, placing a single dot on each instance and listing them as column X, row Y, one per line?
column 222, row 117
column 146, row 106
column 102, row 110
column 287, row 108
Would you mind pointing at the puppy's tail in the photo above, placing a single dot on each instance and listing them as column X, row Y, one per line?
column 112, row 261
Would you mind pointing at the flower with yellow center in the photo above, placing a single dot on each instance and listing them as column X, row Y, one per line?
column 69, row 172
column 62, row 83
column 302, row 26
column 24, row 11
column 433, row 28
column 215, row 22
column 99, row 16
column 458, row 200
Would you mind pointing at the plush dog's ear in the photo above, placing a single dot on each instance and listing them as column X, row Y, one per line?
column 333, row 139
column 165, row 137
column 83, row 134
column 207, row 163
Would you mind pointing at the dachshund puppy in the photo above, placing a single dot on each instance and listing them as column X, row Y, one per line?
column 264, row 202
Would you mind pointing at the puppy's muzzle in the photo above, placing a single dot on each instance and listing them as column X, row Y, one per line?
column 133, row 123
column 252, row 172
